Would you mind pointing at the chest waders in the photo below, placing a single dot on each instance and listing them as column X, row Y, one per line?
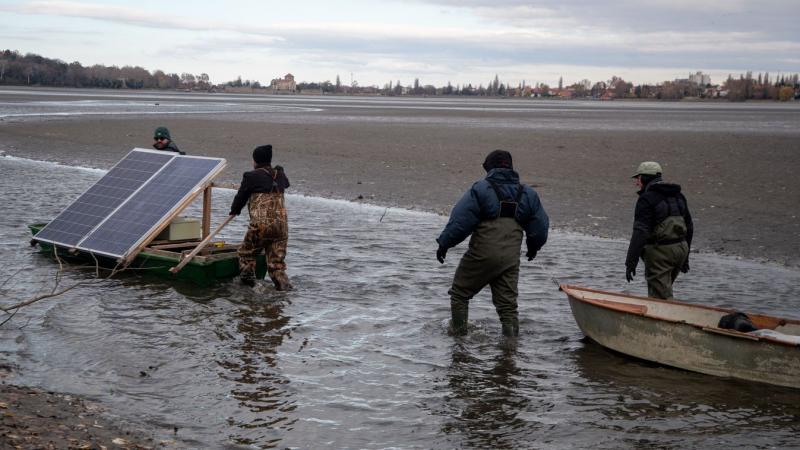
column 492, row 258
column 666, row 251
column 268, row 231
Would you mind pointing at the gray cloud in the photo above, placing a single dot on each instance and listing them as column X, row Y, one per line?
column 518, row 36
column 774, row 18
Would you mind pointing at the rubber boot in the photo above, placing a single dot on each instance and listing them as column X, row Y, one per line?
column 511, row 328
column 247, row 278
column 458, row 323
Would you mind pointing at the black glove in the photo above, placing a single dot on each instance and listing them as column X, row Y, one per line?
column 685, row 266
column 531, row 254
column 630, row 272
column 441, row 254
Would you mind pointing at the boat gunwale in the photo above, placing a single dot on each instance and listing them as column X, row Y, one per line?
column 609, row 305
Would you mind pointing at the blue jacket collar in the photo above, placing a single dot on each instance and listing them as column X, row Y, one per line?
column 503, row 176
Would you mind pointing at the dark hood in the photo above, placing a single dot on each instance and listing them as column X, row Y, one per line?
column 664, row 188
column 503, row 176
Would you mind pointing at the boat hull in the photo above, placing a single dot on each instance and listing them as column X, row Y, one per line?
column 628, row 327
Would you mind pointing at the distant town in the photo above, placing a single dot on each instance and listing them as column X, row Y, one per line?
column 35, row 70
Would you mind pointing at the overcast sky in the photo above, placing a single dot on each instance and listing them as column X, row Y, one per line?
column 466, row 41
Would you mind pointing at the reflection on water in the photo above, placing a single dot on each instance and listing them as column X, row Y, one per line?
column 358, row 355
column 655, row 405
column 255, row 334
column 501, row 400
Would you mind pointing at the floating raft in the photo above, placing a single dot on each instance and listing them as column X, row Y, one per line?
column 218, row 262
column 119, row 219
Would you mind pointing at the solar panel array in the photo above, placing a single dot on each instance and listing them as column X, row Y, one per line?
column 127, row 204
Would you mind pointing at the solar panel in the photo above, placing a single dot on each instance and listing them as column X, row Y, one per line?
column 149, row 206
column 105, row 196
column 129, row 204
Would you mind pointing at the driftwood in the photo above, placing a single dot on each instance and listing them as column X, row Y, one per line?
column 55, row 291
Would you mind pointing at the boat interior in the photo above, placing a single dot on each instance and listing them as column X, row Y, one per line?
column 705, row 317
column 213, row 251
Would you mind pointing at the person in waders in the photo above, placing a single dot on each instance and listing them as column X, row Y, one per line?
column 495, row 211
column 262, row 190
column 662, row 231
column 163, row 141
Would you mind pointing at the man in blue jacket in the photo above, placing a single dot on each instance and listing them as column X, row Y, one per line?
column 495, row 211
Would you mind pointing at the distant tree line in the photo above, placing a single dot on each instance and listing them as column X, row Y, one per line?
column 746, row 87
column 36, row 70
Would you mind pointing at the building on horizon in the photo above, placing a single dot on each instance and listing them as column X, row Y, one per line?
column 285, row 85
column 700, row 79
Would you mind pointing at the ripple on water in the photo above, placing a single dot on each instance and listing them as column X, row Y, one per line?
column 358, row 355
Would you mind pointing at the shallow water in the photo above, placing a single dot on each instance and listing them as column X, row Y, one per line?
column 358, row 355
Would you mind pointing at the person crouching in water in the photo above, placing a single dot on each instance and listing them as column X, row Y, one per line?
column 262, row 190
column 163, row 141
column 495, row 211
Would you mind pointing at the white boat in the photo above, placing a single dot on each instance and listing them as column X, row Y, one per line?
column 687, row 336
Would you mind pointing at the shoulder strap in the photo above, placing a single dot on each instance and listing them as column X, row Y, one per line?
column 500, row 195
column 274, row 175
column 496, row 190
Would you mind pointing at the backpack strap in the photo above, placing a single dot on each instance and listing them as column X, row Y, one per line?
column 274, row 175
column 502, row 198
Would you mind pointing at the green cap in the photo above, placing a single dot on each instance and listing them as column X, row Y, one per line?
column 162, row 132
column 648, row 168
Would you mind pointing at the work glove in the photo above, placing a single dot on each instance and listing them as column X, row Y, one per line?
column 531, row 254
column 630, row 272
column 685, row 266
column 441, row 254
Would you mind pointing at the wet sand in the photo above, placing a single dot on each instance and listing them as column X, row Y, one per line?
column 739, row 186
column 34, row 419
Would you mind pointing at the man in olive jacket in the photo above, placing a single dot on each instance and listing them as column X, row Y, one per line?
column 495, row 211
column 662, row 231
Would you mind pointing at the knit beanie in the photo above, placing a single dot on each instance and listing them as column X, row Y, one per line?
column 161, row 132
column 262, row 155
column 498, row 159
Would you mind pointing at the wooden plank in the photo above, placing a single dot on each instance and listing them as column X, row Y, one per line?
column 617, row 306
column 200, row 246
column 186, row 244
column 206, row 211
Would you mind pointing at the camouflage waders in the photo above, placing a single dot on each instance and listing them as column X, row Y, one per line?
column 492, row 258
column 662, row 264
column 268, row 231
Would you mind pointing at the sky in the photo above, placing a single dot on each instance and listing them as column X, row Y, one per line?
column 435, row 41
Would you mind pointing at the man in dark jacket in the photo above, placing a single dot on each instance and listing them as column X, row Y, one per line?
column 163, row 141
column 495, row 211
column 662, row 231
column 262, row 190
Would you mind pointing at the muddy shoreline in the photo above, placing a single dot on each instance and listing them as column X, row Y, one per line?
column 739, row 186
